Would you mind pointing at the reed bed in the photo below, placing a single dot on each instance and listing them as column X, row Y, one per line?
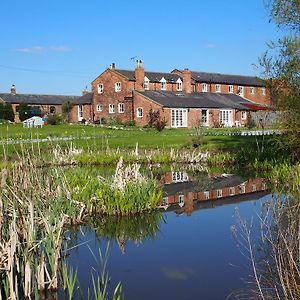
column 127, row 193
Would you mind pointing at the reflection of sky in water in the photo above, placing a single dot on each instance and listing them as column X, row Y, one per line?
column 191, row 257
column 174, row 273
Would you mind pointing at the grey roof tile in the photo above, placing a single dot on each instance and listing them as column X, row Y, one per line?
column 37, row 99
column 152, row 76
column 227, row 79
column 197, row 100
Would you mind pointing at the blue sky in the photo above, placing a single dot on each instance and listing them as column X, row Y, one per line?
column 60, row 46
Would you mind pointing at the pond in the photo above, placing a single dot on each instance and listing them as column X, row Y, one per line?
column 186, row 250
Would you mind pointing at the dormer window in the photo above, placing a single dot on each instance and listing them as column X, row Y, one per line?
column 230, row 89
column 118, row 87
column 146, row 83
column 179, row 85
column 241, row 91
column 100, row 88
column 218, row 88
column 163, row 84
column 204, row 87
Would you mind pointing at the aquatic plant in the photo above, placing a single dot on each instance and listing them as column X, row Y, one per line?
column 127, row 193
column 135, row 228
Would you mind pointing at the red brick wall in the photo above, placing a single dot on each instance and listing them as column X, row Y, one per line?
column 194, row 114
column 251, row 186
column 110, row 96
column 87, row 113
column 45, row 109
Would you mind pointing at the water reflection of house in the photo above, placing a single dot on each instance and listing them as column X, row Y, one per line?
column 181, row 192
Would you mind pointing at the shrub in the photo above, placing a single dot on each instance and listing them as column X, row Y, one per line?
column 160, row 124
column 23, row 111
column 54, row 119
column 6, row 112
column 130, row 123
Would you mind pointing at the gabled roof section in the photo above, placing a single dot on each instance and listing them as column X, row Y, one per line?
column 152, row 76
column 197, row 100
column 227, row 79
column 85, row 99
column 37, row 99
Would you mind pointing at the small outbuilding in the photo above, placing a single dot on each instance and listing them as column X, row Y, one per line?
column 33, row 122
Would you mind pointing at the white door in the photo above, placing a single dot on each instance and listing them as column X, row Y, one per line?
column 80, row 113
column 179, row 118
column 204, row 117
column 226, row 117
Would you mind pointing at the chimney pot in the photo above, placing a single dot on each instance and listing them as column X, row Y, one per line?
column 139, row 63
column 13, row 90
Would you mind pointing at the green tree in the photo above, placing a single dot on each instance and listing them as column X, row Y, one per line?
column 281, row 66
column 66, row 109
column 23, row 111
column 8, row 112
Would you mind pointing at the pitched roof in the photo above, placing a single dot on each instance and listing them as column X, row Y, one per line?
column 37, row 99
column 85, row 99
column 197, row 100
column 227, row 79
column 208, row 184
column 152, row 76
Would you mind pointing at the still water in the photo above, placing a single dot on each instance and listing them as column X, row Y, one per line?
column 186, row 251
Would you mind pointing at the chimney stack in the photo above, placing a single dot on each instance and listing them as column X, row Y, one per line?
column 85, row 91
column 112, row 66
column 187, row 80
column 13, row 90
column 139, row 75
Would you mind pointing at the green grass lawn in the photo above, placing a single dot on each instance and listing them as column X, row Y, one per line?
column 99, row 138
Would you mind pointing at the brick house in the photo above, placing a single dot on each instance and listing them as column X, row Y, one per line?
column 49, row 104
column 183, row 98
column 183, row 193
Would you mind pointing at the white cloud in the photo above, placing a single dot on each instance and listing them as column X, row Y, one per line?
column 40, row 49
column 59, row 48
column 210, row 46
column 35, row 49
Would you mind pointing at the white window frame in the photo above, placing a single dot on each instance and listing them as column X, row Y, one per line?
column 204, row 87
column 253, row 187
column 218, row 88
column 118, row 87
column 232, row 191
column 181, row 200
column 139, row 112
column 80, row 112
column 230, row 89
column 179, row 85
column 179, row 118
column 165, row 201
column 163, row 84
column 146, row 83
column 226, row 117
column 242, row 188
column 100, row 88
column 179, row 176
column 99, row 107
column 243, row 115
column 121, row 108
column 219, row 193
column 263, row 91
column 206, row 195
column 241, row 91
column 111, row 108
column 252, row 90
